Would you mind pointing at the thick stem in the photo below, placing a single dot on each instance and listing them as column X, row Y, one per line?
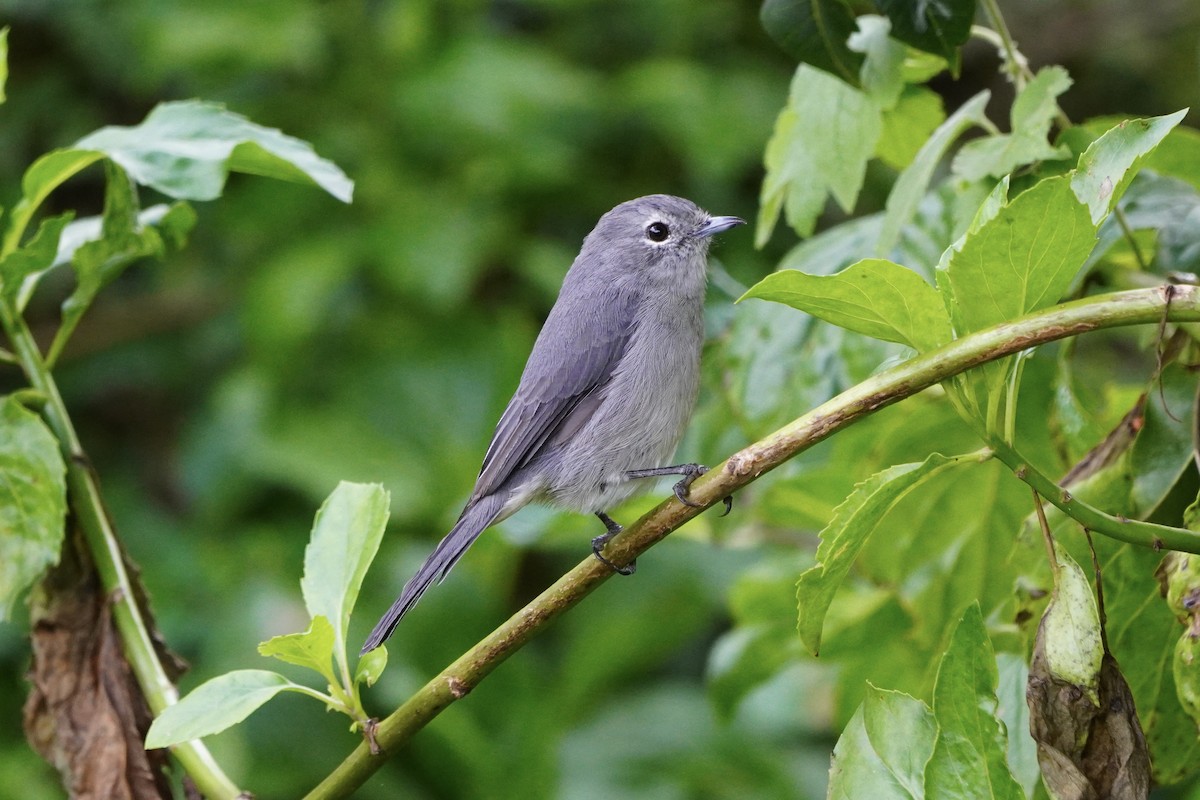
column 88, row 507
column 1144, row 306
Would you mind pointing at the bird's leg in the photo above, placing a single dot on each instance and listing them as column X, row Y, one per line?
column 612, row 528
column 689, row 472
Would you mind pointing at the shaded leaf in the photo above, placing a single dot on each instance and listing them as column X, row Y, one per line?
column 187, row 149
column 935, row 26
column 910, row 187
column 1070, row 630
column 970, row 755
column 345, row 538
column 842, row 539
column 873, row 297
column 883, row 750
column 1178, row 156
column 822, row 141
column 33, row 502
column 215, row 705
column 3, row 62
column 1163, row 450
column 25, row 264
column 1109, row 164
column 814, row 32
column 1032, row 115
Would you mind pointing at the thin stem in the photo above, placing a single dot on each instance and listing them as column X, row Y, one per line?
column 1121, row 219
column 88, row 507
column 1047, row 538
column 1014, row 62
column 1145, row 306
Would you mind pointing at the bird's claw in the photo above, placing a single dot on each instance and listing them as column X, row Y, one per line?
column 598, row 545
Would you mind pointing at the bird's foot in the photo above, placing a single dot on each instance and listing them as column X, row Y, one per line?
column 612, row 528
column 689, row 472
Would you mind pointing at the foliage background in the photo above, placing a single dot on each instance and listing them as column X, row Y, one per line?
column 298, row 342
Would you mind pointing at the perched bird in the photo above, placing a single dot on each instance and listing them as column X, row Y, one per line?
column 608, row 389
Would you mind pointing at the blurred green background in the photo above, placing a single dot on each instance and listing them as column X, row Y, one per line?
column 297, row 342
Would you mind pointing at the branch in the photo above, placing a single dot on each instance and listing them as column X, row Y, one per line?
column 105, row 549
column 1143, row 306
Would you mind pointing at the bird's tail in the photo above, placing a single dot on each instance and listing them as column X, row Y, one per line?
column 475, row 518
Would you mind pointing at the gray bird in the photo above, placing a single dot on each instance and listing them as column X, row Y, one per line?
column 608, row 389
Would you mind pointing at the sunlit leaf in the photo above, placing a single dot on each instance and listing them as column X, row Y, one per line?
column 312, row 649
column 187, row 149
column 33, row 502
column 215, row 705
column 883, row 750
column 908, row 125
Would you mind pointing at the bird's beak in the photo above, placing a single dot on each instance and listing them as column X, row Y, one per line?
column 718, row 224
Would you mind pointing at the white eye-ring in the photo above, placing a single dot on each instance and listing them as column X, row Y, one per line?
column 657, row 231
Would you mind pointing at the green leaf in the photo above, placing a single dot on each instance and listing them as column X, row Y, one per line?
column 33, row 502
column 1020, row 260
column 1032, row 114
column 842, row 539
column 1164, row 449
column 187, row 149
column 3, row 62
column 1108, row 166
column 873, row 297
column 43, row 177
column 814, row 32
column 883, row 750
column 217, row 704
column 882, row 74
column 822, row 141
column 1178, row 156
column 345, row 538
column 911, row 185
column 371, row 666
column 908, row 125
column 23, row 266
column 935, row 26
column 969, row 757
column 312, row 649
column 1071, row 630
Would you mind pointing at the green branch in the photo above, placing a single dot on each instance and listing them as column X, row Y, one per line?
column 1138, row 307
column 102, row 543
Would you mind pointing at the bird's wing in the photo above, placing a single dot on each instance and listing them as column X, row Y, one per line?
column 562, row 386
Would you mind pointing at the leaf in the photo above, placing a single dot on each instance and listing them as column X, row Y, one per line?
column 883, row 750
column 814, row 32
column 3, row 62
column 33, row 502
column 43, row 177
column 935, row 26
column 1109, row 164
column 345, row 538
column 841, row 540
column 881, row 74
column 26, row 263
column 969, row 756
column 217, row 704
column 822, row 141
column 1032, row 114
column 371, row 666
column 312, row 649
column 908, row 125
column 1178, row 156
column 910, row 187
column 1163, row 450
column 187, row 149
column 873, row 297
column 1020, row 260
column 1070, row 630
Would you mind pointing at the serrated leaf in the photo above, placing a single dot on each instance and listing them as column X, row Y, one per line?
column 187, row 149
column 26, row 263
column 345, row 538
column 883, row 750
column 873, row 297
column 312, row 649
column 935, row 26
column 814, row 32
column 822, row 141
column 1109, row 164
column 969, row 756
column 1020, row 260
column 1071, row 630
column 842, row 539
column 33, row 501
column 1032, row 115
column 910, row 187
column 216, row 705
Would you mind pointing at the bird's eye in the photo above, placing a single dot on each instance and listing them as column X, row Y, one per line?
column 657, row 231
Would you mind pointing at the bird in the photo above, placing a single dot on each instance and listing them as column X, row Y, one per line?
column 608, row 388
